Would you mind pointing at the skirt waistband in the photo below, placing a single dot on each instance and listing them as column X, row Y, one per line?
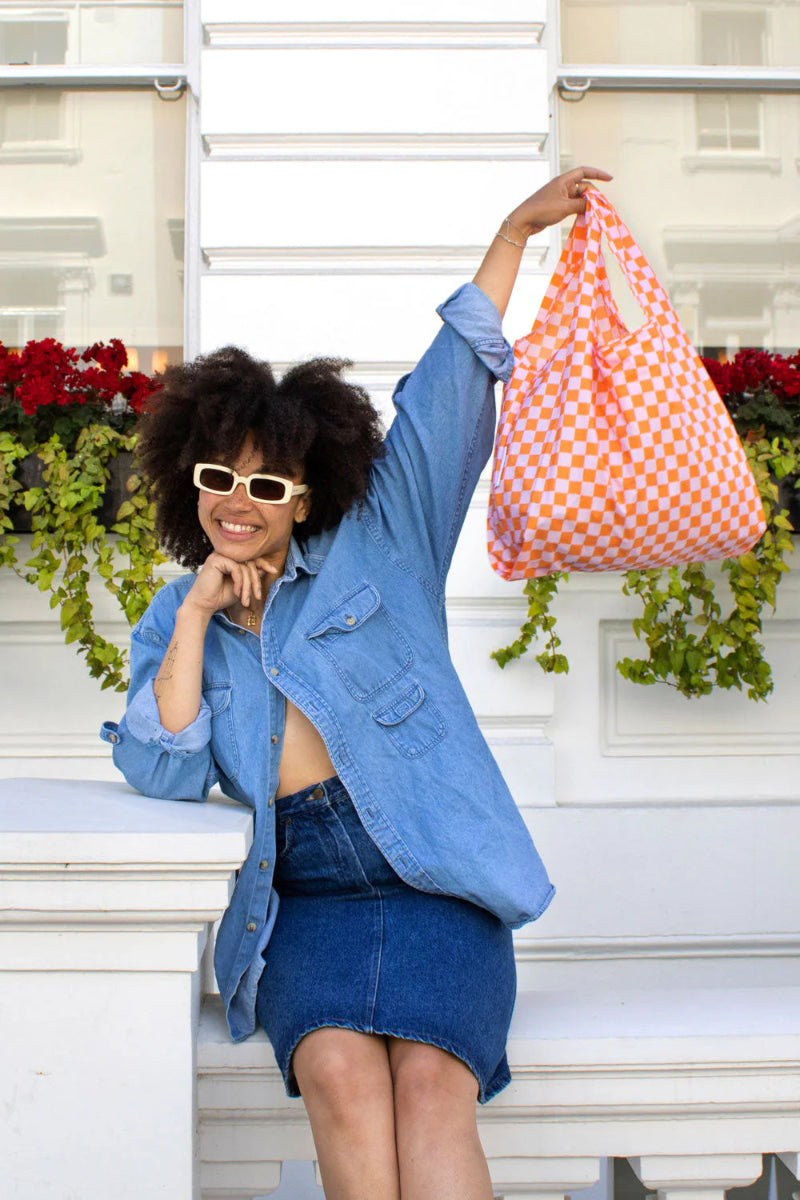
column 321, row 793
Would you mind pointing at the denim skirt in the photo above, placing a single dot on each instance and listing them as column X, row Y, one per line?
column 356, row 947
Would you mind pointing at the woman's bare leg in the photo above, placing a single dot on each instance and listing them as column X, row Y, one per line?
column 438, row 1149
column 346, row 1083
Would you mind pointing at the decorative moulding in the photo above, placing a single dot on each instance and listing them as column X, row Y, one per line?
column 757, row 163
column 401, row 35
column 380, row 147
column 633, row 726
column 357, row 260
column 540, row 949
column 441, row 11
column 593, row 1075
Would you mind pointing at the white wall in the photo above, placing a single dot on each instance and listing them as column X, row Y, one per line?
column 350, row 174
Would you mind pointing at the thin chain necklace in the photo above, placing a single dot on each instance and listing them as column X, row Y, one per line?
column 250, row 617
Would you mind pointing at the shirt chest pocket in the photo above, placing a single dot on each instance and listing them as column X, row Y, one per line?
column 362, row 643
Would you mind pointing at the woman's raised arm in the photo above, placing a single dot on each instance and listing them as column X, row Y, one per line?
column 561, row 197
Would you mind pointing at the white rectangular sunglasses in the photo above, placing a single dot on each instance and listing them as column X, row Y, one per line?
column 264, row 489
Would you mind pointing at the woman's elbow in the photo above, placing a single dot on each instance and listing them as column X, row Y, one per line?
column 165, row 777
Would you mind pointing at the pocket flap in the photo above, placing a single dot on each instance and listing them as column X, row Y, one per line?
column 401, row 708
column 350, row 613
column 217, row 696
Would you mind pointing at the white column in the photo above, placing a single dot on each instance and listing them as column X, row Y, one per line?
column 105, row 903
column 696, row 1176
column 532, row 1178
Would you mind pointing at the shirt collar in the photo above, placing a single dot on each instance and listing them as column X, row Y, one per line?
column 298, row 560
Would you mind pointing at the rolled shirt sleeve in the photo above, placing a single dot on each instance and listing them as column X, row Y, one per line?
column 471, row 313
column 143, row 723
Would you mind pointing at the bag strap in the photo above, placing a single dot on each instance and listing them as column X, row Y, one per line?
column 647, row 291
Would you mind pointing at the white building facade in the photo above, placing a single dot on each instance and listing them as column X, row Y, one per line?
column 306, row 179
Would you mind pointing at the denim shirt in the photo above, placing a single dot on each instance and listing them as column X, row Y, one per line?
column 354, row 633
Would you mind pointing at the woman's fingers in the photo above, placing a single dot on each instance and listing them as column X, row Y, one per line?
column 578, row 180
column 235, row 572
column 222, row 579
column 255, row 579
column 561, row 197
column 589, row 173
column 245, row 594
column 264, row 564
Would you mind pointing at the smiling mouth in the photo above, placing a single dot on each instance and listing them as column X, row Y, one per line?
column 231, row 527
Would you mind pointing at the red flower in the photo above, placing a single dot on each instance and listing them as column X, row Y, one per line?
column 112, row 357
column 9, row 366
column 720, row 374
column 137, row 388
column 47, row 375
column 785, row 376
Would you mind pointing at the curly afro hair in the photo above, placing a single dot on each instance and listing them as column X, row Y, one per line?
column 312, row 421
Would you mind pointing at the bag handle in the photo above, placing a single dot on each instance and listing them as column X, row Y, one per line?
column 601, row 217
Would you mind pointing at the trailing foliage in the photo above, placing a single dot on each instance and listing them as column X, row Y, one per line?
column 71, row 544
column 540, row 622
column 691, row 645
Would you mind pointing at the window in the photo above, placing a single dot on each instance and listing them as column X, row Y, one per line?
column 730, row 121
column 91, row 31
column 702, row 136
column 732, row 37
column 33, row 42
column 92, row 208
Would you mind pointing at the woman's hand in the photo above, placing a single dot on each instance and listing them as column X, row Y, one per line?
column 561, row 197
column 220, row 581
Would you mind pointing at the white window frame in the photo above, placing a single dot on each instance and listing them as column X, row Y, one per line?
column 574, row 80
column 170, row 80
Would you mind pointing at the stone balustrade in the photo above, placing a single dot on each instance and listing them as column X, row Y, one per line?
column 106, row 898
column 658, row 1015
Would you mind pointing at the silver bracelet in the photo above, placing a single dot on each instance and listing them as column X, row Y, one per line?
column 511, row 242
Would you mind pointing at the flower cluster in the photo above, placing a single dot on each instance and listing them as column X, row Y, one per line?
column 49, row 388
column 761, row 392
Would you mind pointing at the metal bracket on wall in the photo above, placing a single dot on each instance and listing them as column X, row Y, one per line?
column 170, row 91
column 573, row 90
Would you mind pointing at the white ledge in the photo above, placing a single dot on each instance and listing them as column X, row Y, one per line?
column 370, row 35
column 382, row 147
column 358, row 260
column 64, row 825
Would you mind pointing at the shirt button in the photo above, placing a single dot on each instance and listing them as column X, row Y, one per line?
column 274, row 671
column 274, row 739
column 251, row 926
column 241, row 632
column 271, row 801
column 113, row 738
column 349, row 620
column 264, row 864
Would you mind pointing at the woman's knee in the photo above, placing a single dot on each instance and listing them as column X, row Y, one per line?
column 429, row 1081
column 341, row 1069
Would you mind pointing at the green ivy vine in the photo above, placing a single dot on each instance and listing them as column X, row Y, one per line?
column 71, row 544
column 691, row 645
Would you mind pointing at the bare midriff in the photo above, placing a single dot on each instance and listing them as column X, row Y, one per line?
column 304, row 759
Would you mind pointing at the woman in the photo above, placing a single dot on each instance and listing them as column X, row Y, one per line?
column 304, row 667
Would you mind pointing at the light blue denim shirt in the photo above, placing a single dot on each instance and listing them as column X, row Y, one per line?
column 354, row 633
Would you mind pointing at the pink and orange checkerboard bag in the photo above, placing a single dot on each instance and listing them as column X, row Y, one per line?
column 613, row 449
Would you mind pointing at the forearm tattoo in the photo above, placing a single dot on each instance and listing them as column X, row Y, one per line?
column 165, row 671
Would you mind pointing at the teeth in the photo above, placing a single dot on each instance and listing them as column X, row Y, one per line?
column 239, row 528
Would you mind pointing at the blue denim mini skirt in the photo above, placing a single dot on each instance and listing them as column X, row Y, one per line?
column 354, row 946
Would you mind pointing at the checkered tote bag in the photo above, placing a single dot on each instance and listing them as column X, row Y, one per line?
column 614, row 449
